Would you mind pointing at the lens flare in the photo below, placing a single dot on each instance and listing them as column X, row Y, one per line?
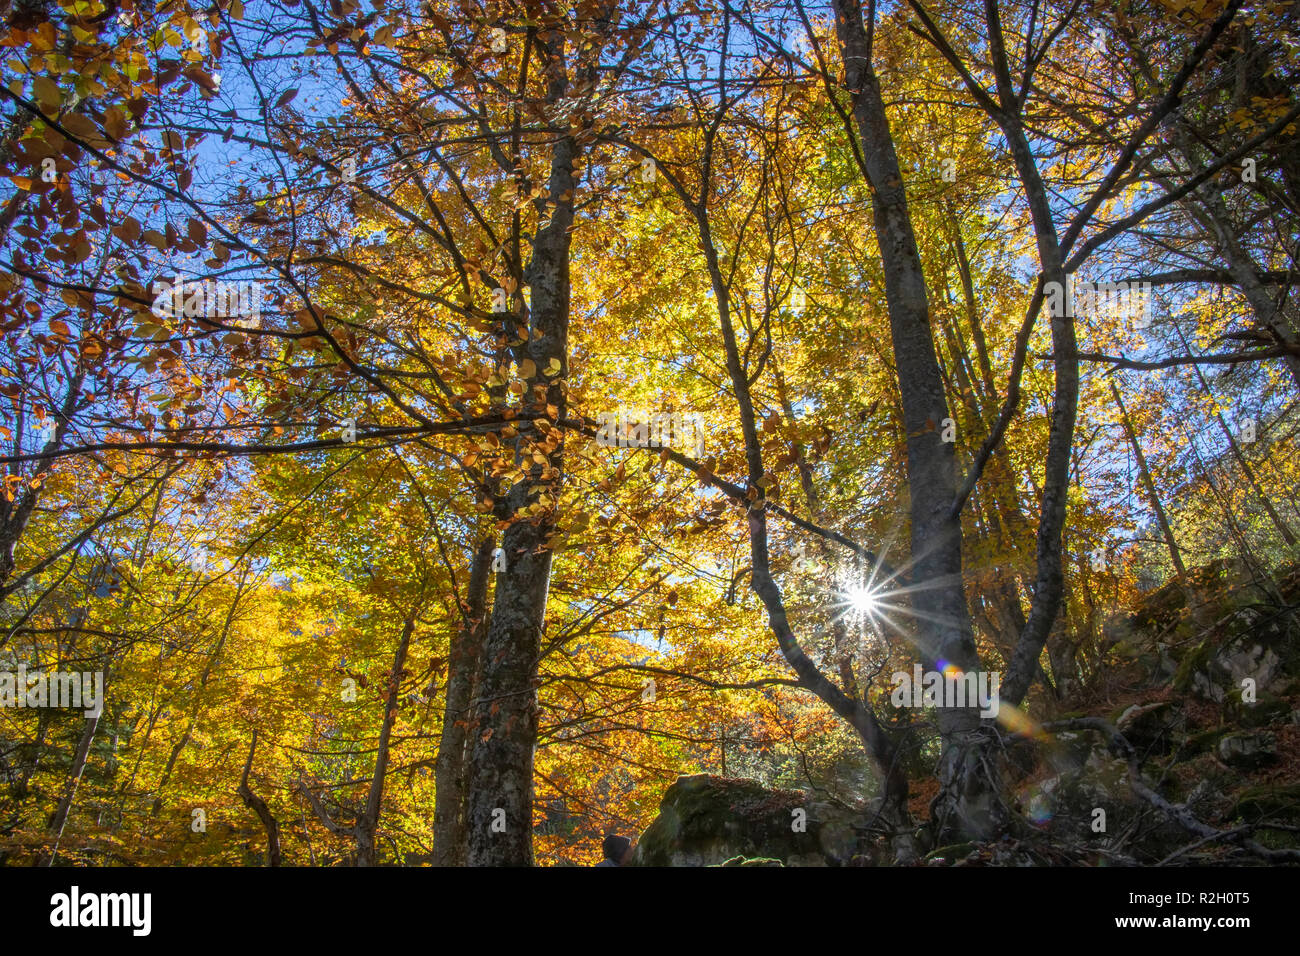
column 863, row 599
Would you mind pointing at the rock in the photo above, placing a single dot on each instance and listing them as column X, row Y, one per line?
column 1150, row 727
column 1278, row 802
column 707, row 821
column 1063, row 804
column 1245, row 658
column 1248, row 751
column 1158, row 609
column 1216, row 673
column 1193, row 666
column 1266, row 710
column 1207, row 741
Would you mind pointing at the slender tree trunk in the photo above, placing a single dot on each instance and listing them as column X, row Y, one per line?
column 1153, row 495
column 1282, row 527
column 369, row 823
column 450, row 793
column 59, row 819
column 15, row 516
column 1049, row 582
column 505, row 734
column 969, row 802
column 184, row 738
column 1195, row 606
column 258, row 806
column 845, row 701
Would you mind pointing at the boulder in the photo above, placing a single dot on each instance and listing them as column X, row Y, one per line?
column 1269, row 802
column 1266, row 709
column 1064, row 803
column 1202, row 742
column 706, row 820
column 1248, row 751
column 1216, row 673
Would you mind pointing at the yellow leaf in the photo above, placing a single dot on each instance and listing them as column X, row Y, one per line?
column 47, row 91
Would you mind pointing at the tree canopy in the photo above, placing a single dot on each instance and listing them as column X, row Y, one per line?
column 439, row 426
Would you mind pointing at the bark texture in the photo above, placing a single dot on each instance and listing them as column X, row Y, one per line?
column 449, row 814
column 505, row 728
column 968, row 803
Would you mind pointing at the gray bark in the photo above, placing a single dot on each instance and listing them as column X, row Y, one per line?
column 368, row 824
column 1268, row 315
column 500, row 804
column 450, row 793
column 59, row 818
column 968, row 803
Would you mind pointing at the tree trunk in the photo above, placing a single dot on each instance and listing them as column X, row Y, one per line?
column 1153, row 496
column 258, row 806
column 1282, row 527
column 1049, row 581
column 500, row 805
column 369, row 822
column 1195, row 606
column 450, row 791
column 59, row 819
column 968, row 803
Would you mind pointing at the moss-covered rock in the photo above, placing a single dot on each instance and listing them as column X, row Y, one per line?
column 1206, row 741
column 706, row 820
column 1215, row 668
column 1248, row 751
column 1194, row 662
column 1267, row 709
column 1275, row 802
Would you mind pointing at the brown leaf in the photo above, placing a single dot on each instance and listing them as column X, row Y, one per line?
column 82, row 128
